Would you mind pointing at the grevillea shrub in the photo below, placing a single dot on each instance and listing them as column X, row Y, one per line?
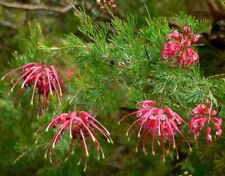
column 120, row 64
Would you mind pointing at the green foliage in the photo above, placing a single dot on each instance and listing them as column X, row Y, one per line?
column 222, row 3
column 197, row 26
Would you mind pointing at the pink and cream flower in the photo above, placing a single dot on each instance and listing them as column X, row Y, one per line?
column 178, row 48
column 44, row 79
column 159, row 124
column 81, row 126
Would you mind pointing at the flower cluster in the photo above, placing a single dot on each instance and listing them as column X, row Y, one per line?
column 179, row 48
column 44, row 79
column 204, row 115
column 79, row 125
column 157, row 123
column 106, row 4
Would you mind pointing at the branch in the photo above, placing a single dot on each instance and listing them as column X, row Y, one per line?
column 36, row 7
column 218, row 75
column 8, row 25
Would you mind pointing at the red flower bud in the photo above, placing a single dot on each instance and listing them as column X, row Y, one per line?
column 208, row 135
column 201, row 114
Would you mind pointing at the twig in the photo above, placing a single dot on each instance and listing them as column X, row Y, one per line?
column 36, row 7
column 27, row 151
column 120, row 65
column 146, row 52
column 199, row 44
column 8, row 25
column 218, row 75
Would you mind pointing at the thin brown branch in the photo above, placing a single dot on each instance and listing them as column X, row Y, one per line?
column 218, row 75
column 36, row 7
column 8, row 25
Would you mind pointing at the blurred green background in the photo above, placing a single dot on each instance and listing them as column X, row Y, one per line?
column 18, row 124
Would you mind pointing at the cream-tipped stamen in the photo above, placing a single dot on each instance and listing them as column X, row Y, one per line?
column 103, row 156
column 108, row 140
column 45, row 155
column 145, row 152
column 136, row 149
column 78, row 163
column 112, row 141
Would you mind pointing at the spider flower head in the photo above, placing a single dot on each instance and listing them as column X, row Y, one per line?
column 179, row 48
column 155, row 123
column 203, row 115
column 80, row 126
column 44, row 79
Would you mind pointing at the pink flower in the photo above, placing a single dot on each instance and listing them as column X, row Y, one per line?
column 202, row 115
column 179, row 48
column 157, row 123
column 44, row 79
column 69, row 73
column 80, row 126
